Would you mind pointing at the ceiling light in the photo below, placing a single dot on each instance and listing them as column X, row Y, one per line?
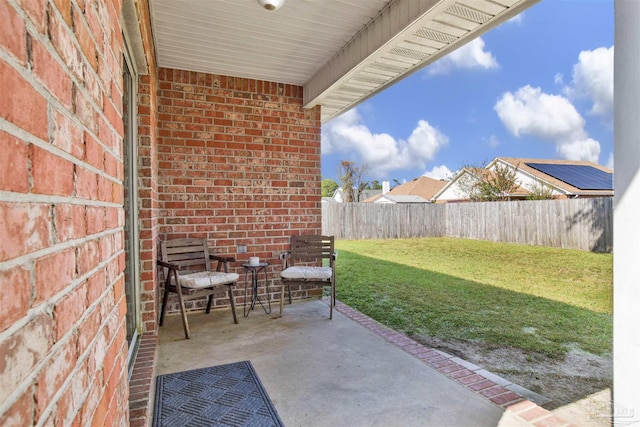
column 271, row 4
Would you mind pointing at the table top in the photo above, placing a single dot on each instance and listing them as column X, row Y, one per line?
column 247, row 265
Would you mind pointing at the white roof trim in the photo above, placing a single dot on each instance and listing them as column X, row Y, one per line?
column 133, row 36
column 405, row 37
column 453, row 181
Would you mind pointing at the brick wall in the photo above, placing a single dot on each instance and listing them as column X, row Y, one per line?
column 62, row 332
column 148, row 177
column 142, row 381
column 239, row 164
column 148, row 200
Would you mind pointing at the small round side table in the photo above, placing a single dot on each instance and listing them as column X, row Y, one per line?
column 255, row 270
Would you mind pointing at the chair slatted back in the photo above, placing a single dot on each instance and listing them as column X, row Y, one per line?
column 307, row 248
column 186, row 252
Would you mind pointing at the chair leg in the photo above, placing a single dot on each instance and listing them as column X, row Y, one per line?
column 233, row 304
column 289, row 289
column 332, row 298
column 183, row 310
column 209, row 304
column 164, row 305
column 333, row 293
column 282, row 298
column 331, row 304
column 185, row 322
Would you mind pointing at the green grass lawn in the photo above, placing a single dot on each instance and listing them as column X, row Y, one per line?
column 533, row 298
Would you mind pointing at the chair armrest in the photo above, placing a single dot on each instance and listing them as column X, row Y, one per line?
column 222, row 258
column 171, row 273
column 285, row 259
column 223, row 261
column 168, row 265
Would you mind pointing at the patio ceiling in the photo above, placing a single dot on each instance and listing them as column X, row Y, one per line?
column 341, row 51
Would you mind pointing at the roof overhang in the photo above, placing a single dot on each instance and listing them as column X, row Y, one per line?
column 342, row 52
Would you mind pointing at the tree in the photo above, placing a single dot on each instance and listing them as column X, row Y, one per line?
column 352, row 180
column 374, row 185
column 482, row 184
column 499, row 184
column 540, row 191
column 329, row 187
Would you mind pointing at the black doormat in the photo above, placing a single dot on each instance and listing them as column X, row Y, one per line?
column 225, row 395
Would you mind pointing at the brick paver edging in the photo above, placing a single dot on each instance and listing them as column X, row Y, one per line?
column 142, row 382
column 472, row 377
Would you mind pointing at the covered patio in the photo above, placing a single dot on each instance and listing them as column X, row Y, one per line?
column 128, row 122
column 348, row 371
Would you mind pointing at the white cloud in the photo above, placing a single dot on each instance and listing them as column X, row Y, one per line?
column 345, row 120
column 470, row 56
column 380, row 151
column 516, row 19
column 492, row 141
column 439, row 172
column 558, row 79
column 610, row 161
column 529, row 111
column 586, row 149
column 593, row 79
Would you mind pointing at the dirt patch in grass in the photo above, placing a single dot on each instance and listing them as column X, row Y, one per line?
column 565, row 380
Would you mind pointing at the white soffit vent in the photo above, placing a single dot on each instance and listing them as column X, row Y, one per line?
column 436, row 30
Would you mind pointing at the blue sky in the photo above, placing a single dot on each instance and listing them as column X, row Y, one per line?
column 540, row 86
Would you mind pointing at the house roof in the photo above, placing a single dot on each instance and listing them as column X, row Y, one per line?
column 373, row 198
column 522, row 165
column 403, row 198
column 423, row 186
column 366, row 194
column 369, row 193
column 342, row 52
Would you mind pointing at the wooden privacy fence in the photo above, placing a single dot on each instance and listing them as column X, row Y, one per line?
column 585, row 224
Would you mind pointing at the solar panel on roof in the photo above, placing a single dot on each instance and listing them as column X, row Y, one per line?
column 580, row 176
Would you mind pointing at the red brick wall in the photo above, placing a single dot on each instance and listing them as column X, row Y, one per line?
column 239, row 164
column 148, row 177
column 148, row 199
column 62, row 332
column 143, row 372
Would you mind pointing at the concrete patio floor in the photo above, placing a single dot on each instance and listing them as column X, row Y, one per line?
column 349, row 371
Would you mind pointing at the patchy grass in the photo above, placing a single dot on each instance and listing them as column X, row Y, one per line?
column 533, row 298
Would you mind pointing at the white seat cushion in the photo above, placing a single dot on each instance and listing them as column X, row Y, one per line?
column 307, row 273
column 206, row 279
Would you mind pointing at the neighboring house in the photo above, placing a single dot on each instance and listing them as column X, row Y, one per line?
column 458, row 189
column 400, row 198
column 563, row 178
column 338, row 196
column 419, row 190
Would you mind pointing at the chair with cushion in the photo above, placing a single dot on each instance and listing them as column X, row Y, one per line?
column 303, row 266
column 187, row 271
